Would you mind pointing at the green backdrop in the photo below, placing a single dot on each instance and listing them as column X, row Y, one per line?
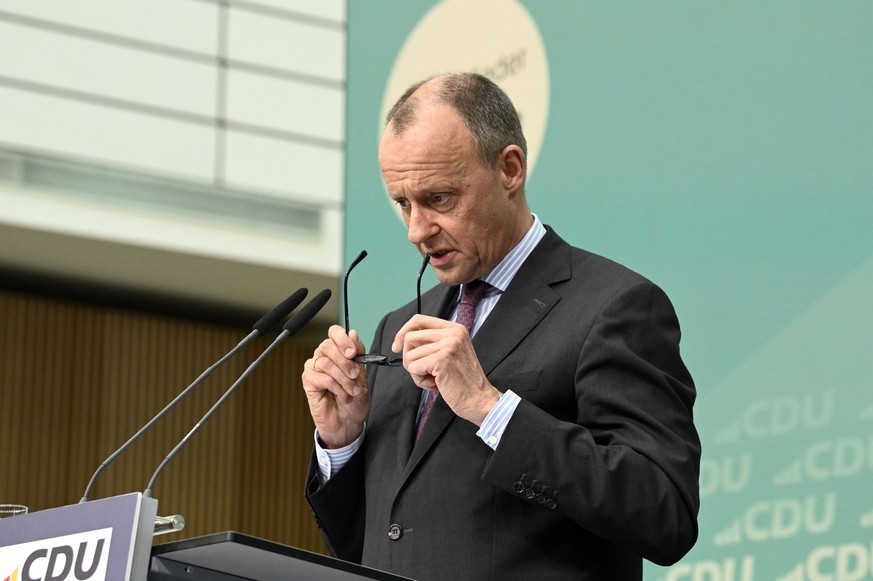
column 724, row 150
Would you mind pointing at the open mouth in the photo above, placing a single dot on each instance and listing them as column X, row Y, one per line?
column 439, row 257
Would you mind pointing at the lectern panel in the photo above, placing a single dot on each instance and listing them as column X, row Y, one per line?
column 230, row 556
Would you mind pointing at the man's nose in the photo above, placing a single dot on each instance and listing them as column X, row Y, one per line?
column 420, row 226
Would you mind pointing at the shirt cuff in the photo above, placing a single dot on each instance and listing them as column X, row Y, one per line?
column 495, row 422
column 331, row 461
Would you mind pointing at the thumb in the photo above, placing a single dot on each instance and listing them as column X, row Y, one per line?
column 353, row 334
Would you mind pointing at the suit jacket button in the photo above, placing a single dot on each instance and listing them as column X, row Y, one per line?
column 395, row 531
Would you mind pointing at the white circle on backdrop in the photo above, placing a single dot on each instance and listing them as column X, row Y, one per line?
column 496, row 38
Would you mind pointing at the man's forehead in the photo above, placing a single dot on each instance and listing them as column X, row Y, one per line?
column 435, row 126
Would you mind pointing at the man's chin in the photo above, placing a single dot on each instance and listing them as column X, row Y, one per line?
column 452, row 272
column 451, row 278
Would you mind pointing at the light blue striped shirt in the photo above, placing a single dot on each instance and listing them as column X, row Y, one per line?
column 494, row 424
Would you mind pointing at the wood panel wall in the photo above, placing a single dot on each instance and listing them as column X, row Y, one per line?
column 77, row 380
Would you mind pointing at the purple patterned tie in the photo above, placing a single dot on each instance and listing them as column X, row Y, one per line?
column 466, row 315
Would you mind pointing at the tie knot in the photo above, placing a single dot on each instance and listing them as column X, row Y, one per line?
column 470, row 298
column 473, row 292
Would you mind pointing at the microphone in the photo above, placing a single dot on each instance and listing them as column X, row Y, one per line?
column 291, row 327
column 279, row 312
column 263, row 325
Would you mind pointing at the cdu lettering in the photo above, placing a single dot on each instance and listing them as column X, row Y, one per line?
column 788, row 517
column 727, row 570
column 839, row 458
column 61, row 561
column 849, row 562
column 731, row 475
column 784, row 415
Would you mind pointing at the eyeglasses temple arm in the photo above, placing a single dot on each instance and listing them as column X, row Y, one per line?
column 354, row 263
column 418, row 283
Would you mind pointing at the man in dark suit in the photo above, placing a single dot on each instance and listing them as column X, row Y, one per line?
column 560, row 442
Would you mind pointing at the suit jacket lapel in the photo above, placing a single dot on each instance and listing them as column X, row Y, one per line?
column 527, row 300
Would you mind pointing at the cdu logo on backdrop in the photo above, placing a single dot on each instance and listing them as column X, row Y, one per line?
column 77, row 557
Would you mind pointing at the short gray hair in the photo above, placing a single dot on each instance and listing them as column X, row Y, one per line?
column 485, row 109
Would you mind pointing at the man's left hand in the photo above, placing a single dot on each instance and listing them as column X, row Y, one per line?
column 439, row 356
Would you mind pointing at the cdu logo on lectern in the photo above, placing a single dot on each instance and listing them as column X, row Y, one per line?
column 77, row 557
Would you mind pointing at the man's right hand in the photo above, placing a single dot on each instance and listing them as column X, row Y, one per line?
column 336, row 388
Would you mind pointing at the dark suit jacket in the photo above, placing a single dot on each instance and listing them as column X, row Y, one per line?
column 598, row 467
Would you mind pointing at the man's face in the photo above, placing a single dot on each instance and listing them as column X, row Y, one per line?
column 456, row 209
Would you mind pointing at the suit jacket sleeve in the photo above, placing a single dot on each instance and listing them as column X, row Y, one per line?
column 339, row 505
column 626, row 467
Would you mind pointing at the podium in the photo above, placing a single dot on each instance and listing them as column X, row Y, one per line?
column 231, row 556
column 109, row 538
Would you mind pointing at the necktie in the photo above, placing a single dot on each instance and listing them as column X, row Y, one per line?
column 466, row 315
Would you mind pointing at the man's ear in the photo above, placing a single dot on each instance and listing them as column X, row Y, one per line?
column 513, row 168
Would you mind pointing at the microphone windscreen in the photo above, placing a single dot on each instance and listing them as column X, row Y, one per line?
column 304, row 315
column 280, row 311
column 360, row 257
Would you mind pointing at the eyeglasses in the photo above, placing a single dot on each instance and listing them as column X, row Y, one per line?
column 377, row 358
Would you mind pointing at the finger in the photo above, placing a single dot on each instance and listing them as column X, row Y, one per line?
column 417, row 323
column 333, row 352
column 359, row 345
column 329, row 370
column 435, row 356
column 417, row 339
column 318, row 384
column 346, row 343
column 451, row 337
column 426, row 381
column 346, row 380
column 425, row 365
